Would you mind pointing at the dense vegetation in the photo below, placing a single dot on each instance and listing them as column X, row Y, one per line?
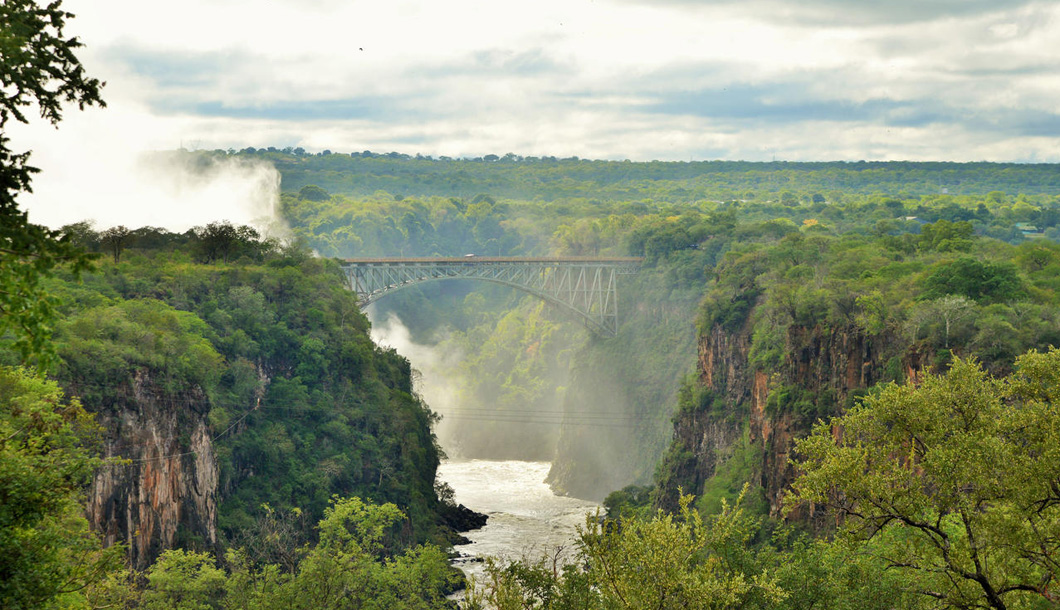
column 942, row 289
column 913, row 300
column 295, row 390
column 929, row 277
column 548, row 179
column 227, row 311
column 39, row 73
column 46, row 457
column 949, row 497
column 303, row 409
column 764, row 231
column 350, row 567
column 947, row 493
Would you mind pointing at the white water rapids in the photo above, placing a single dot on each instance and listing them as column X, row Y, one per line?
column 526, row 520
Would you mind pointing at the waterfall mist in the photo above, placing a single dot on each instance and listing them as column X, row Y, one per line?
column 435, row 380
column 486, row 412
column 99, row 168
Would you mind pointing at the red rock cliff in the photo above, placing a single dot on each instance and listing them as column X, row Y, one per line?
column 167, row 491
column 821, row 366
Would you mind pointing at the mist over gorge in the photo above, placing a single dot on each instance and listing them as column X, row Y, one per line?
column 118, row 183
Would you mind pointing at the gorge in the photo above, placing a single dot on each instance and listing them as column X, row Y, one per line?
column 248, row 397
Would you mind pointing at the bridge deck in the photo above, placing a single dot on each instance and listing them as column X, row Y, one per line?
column 586, row 286
column 615, row 260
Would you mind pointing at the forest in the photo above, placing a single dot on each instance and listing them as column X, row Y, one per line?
column 514, row 176
column 839, row 382
column 949, row 301
column 936, row 288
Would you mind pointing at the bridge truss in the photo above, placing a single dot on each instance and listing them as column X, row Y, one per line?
column 586, row 286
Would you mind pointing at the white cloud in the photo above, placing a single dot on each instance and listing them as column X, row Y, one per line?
column 642, row 79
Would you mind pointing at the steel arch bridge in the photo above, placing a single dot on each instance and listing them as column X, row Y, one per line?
column 586, row 286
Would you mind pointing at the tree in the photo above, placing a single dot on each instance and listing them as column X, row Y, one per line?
column 959, row 478
column 277, row 537
column 545, row 584
column 983, row 282
column 312, row 192
column 946, row 236
column 48, row 556
column 682, row 561
column 82, row 235
column 225, row 241
column 217, row 240
column 952, row 309
column 114, row 239
column 38, row 69
column 667, row 562
column 351, row 568
column 184, row 580
column 47, row 553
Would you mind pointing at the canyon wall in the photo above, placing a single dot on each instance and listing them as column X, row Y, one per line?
column 744, row 407
column 164, row 493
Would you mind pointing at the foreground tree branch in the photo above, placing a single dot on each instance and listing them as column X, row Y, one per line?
column 38, row 68
column 961, row 473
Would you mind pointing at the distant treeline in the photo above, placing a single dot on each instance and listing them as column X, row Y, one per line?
column 218, row 241
column 550, row 178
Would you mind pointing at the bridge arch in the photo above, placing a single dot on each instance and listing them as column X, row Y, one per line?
column 585, row 286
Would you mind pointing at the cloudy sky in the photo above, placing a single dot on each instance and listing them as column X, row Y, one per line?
column 959, row 80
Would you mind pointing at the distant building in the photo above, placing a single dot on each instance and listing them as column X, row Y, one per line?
column 1028, row 229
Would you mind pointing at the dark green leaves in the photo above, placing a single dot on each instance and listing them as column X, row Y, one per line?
column 37, row 68
column 983, row 282
column 956, row 476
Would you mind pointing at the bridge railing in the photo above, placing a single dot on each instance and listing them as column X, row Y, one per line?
column 584, row 285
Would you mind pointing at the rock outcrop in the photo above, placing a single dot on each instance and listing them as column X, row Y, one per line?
column 164, row 493
column 821, row 372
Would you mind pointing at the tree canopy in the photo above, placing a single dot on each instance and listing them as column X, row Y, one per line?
column 47, row 455
column 38, row 69
column 959, row 476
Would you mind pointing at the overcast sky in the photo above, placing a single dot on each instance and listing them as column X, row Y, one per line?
column 961, row 80
column 636, row 79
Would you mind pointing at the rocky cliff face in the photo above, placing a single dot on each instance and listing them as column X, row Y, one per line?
column 821, row 370
column 167, row 491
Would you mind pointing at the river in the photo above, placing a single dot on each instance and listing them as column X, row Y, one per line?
column 525, row 518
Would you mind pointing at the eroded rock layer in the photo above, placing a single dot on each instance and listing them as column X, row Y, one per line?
column 164, row 491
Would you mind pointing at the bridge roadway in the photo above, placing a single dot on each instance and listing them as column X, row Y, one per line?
column 586, row 286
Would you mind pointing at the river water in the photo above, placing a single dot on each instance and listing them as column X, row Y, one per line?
column 526, row 520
